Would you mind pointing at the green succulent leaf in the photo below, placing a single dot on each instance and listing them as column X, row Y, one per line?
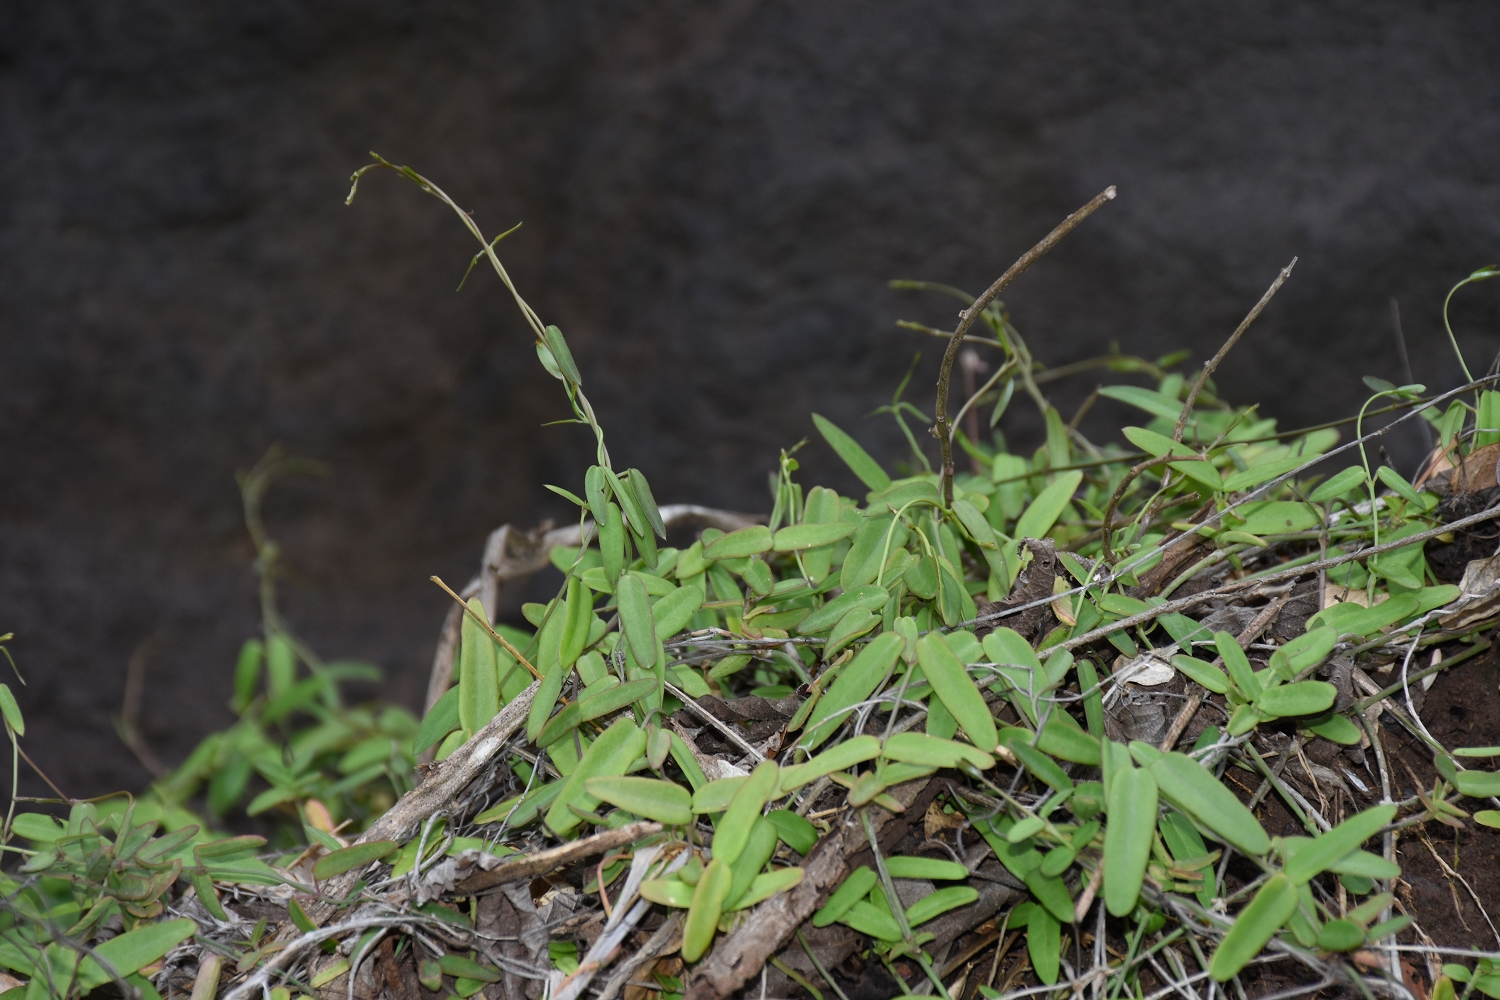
column 859, row 461
column 349, row 858
column 1127, row 837
column 1254, row 926
column 951, row 683
column 664, row 801
column 1185, row 784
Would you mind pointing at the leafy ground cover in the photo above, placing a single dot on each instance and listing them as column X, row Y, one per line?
column 1205, row 711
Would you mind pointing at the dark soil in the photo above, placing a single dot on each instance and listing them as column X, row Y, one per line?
column 1462, row 709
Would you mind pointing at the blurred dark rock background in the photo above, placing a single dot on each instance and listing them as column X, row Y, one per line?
column 714, row 196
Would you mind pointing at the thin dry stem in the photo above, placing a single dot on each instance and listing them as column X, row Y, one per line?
column 1212, row 364
column 966, row 319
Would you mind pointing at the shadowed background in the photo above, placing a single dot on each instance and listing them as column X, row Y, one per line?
column 714, row 197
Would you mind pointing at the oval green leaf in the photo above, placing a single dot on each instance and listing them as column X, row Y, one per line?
column 132, row 951
column 1364, row 864
column 1257, row 474
column 1395, row 481
column 939, row 902
column 920, row 748
column 1185, row 783
column 974, row 523
column 1278, row 517
column 593, row 490
column 951, row 683
column 716, row 795
column 636, row 482
column 439, row 722
column 562, row 357
column 1273, row 905
column 854, row 684
column 1478, row 784
column 613, row 698
column 636, row 619
column 230, row 846
column 1238, row 664
column 1154, row 444
column 1044, row 943
column 1127, row 838
column 733, row 832
column 578, row 612
column 1323, row 852
column 356, row 856
column 663, row 801
column 705, row 908
column 634, row 516
column 1341, row 935
column 903, row 866
column 767, row 885
column 758, row 849
column 866, row 468
column 1297, row 698
column 1026, row 828
column 1155, row 403
column 614, row 751
column 1038, row 763
column 811, row 536
column 800, row 835
column 478, row 684
column 1309, row 649
column 1007, row 646
column 674, row 611
column 1065, row 741
column 1339, row 484
column 1058, row 860
column 740, row 544
column 862, row 563
column 1049, row 505
column 612, row 542
column 1201, row 472
column 667, row 892
column 466, row 968
column 11, row 711
column 839, row 758
column 1332, row 726
column 854, row 888
column 875, row 921
column 855, row 623
column 567, row 720
column 1204, row 673
column 869, row 597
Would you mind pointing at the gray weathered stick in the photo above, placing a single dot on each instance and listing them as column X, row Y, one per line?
column 745, row 951
column 667, row 938
column 1212, row 363
column 441, row 786
column 532, row 865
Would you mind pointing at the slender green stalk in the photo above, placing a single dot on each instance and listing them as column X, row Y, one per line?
column 1479, row 275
